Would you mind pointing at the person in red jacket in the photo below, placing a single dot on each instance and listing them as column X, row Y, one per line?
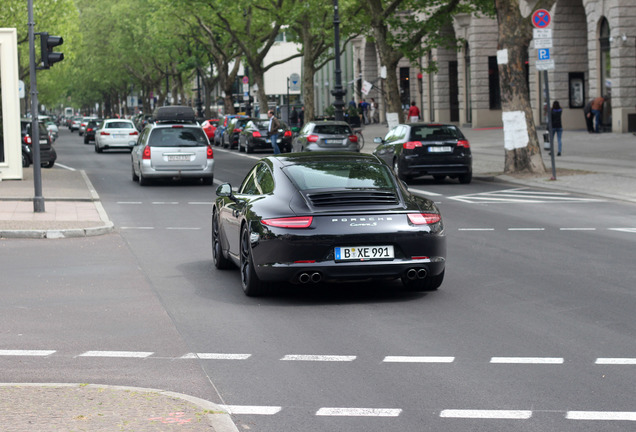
column 414, row 113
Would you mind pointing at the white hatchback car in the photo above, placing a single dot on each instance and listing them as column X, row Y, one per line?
column 116, row 133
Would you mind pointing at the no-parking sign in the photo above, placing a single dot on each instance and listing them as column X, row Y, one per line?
column 541, row 18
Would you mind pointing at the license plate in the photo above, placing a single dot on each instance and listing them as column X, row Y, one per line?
column 175, row 158
column 333, row 141
column 118, row 136
column 440, row 149
column 363, row 253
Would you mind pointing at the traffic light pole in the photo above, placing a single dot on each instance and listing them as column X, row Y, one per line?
column 38, row 199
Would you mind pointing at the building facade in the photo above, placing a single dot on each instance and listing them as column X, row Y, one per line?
column 594, row 52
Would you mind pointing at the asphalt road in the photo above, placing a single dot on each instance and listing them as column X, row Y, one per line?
column 533, row 328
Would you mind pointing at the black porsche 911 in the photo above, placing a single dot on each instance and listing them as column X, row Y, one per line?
column 332, row 217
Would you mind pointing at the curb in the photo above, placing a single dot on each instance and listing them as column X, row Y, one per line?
column 217, row 415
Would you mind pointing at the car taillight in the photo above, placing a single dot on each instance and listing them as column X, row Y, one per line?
column 237, row 130
column 89, row 130
column 353, row 138
column 210, row 153
column 134, row 133
column 104, row 133
column 312, row 138
column 290, row 222
column 177, row 126
column 256, row 134
column 424, row 218
column 27, row 140
column 410, row 145
column 146, row 153
column 463, row 143
column 287, row 134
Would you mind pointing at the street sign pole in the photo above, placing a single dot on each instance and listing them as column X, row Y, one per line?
column 547, row 100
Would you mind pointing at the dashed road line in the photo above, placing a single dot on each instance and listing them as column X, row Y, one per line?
column 527, row 360
column 215, row 356
column 616, row 361
column 34, row 353
column 418, row 359
column 359, row 412
column 324, row 358
column 601, row 415
column 487, row 414
column 117, row 354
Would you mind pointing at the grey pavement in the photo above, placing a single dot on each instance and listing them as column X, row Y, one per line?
column 602, row 165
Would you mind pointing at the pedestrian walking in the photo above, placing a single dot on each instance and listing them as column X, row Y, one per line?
column 414, row 113
column 293, row 117
column 589, row 120
column 597, row 107
column 375, row 113
column 557, row 126
column 272, row 130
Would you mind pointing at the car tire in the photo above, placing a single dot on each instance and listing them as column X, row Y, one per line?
column 248, row 149
column 49, row 164
column 252, row 286
column 98, row 149
column 397, row 171
column 143, row 181
column 135, row 177
column 220, row 261
column 85, row 140
column 466, row 178
column 209, row 181
column 25, row 161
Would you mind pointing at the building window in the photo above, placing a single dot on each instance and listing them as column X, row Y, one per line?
column 494, row 91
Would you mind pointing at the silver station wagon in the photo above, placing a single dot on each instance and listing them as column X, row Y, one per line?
column 173, row 146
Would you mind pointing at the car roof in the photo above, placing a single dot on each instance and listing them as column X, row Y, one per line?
column 293, row 158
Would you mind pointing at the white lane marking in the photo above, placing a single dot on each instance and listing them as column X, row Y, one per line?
column 476, row 229
column 200, row 203
column 628, row 230
column 487, row 414
column 520, row 196
column 129, row 202
column 418, row 359
column 327, row 358
column 165, row 202
column 424, row 192
column 527, row 360
column 216, row 356
column 601, row 415
column 38, row 353
column 616, row 361
column 526, row 229
column 252, row 409
column 65, row 167
column 121, row 354
column 359, row 412
column 137, row 228
column 183, row 228
column 577, row 229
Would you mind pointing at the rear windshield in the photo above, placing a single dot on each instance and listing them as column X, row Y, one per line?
column 348, row 174
column 178, row 137
column 332, row 129
column 435, row 133
column 119, row 125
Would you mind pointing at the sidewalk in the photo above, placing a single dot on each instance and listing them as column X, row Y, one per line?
column 71, row 204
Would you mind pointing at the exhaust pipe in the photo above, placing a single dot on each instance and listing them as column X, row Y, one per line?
column 304, row 278
column 411, row 274
column 316, row 277
column 421, row 273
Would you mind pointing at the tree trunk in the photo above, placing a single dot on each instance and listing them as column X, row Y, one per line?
column 309, row 70
column 522, row 150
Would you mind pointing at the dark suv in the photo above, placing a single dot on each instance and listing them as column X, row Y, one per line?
column 47, row 152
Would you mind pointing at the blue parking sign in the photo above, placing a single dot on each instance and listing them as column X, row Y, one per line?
column 544, row 53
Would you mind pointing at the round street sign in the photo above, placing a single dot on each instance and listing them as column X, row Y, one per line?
column 246, row 80
column 541, row 18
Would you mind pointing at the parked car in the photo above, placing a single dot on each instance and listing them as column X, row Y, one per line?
column 173, row 146
column 209, row 127
column 48, row 156
column 91, row 128
column 116, row 134
column 52, row 129
column 325, row 136
column 326, row 216
column 254, row 136
column 418, row 149
column 232, row 131
column 222, row 127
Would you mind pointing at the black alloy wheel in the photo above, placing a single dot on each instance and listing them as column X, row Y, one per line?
column 220, row 261
column 252, row 286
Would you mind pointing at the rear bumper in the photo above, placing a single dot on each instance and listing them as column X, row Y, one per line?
column 413, row 166
column 149, row 172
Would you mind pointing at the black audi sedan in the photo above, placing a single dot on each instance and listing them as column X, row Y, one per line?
column 419, row 149
column 304, row 218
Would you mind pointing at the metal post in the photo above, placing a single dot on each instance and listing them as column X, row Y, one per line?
column 38, row 199
column 547, row 99
column 338, row 92
column 287, row 100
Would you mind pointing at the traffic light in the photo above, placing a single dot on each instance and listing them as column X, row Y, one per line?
column 47, row 43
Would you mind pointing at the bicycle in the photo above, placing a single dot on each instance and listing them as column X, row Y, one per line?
column 358, row 133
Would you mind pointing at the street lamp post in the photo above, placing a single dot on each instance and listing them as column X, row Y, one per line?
column 338, row 92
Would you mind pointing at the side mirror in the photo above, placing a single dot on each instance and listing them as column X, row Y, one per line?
column 224, row 190
column 378, row 140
